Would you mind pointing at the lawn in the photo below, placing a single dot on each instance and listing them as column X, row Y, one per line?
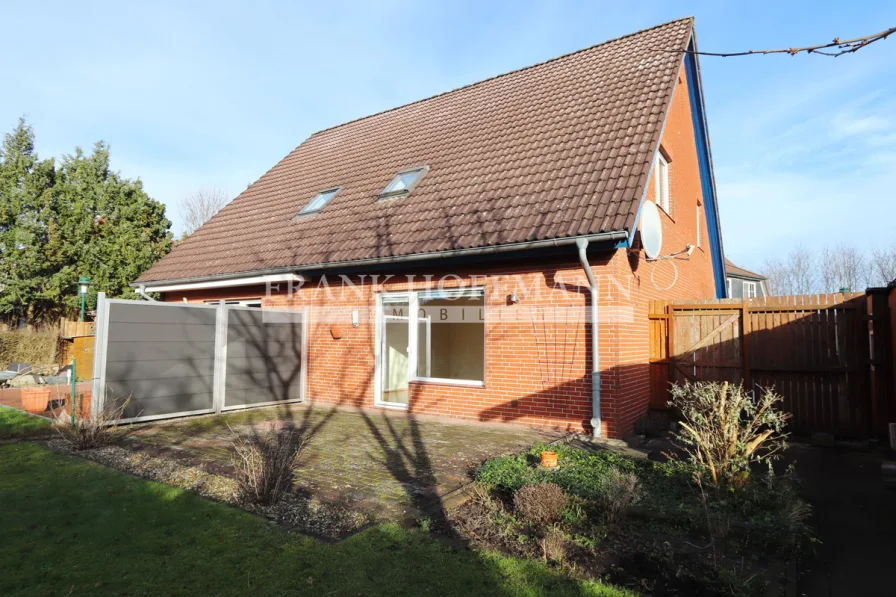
column 15, row 423
column 72, row 527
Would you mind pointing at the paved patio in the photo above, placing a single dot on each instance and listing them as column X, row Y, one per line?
column 388, row 464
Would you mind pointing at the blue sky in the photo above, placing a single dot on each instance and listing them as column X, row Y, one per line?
column 212, row 94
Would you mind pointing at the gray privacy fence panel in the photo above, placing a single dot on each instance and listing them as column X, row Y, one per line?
column 264, row 357
column 160, row 358
column 175, row 359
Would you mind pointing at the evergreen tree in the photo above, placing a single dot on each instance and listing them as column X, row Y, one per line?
column 26, row 185
column 80, row 219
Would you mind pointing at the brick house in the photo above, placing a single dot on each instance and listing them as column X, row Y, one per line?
column 742, row 283
column 497, row 214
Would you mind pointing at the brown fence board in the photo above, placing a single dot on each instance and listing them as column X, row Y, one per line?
column 819, row 351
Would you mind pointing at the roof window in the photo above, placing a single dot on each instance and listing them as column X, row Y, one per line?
column 318, row 202
column 404, row 182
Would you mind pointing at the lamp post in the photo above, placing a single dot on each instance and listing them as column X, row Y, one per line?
column 83, row 284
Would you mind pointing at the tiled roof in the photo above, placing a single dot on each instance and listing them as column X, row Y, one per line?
column 554, row 150
column 734, row 270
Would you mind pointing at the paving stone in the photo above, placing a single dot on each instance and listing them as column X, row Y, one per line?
column 392, row 466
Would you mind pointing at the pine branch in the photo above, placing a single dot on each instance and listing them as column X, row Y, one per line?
column 839, row 47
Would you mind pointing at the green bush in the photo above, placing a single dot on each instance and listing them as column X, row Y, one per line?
column 583, row 473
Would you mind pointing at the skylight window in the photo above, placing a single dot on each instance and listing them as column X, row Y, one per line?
column 318, row 202
column 404, row 182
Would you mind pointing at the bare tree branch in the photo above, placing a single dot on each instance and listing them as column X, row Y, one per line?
column 883, row 265
column 839, row 47
column 843, row 266
column 796, row 274
column 198, row 208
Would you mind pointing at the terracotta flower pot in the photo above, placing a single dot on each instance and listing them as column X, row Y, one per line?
column 35, row 400
column 548, row 459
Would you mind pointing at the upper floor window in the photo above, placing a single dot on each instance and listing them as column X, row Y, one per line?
column 728, row 284
column 749, row 289
column 318, row 202
column 661, row 182
column 404, row 182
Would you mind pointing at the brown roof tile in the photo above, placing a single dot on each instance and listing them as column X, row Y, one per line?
column 557, row 149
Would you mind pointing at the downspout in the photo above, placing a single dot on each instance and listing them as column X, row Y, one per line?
column 141, row 290
column 582, row 245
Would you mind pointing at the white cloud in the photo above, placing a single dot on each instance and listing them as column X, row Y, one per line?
column 847, row 126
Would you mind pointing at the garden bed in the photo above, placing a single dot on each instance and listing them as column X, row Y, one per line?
column 642, row 524
column 310, row 516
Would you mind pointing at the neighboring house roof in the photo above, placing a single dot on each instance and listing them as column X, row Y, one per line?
column 555, row 150
column 733, row 270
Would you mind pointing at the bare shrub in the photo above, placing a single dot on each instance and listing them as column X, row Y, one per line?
column 481, row 494
column 540, row 504
column 553, row 545
column 482, row 517
column 28, row 346
column 620, row 492
column 265, row 464
column 95, row 431
column 724, row 431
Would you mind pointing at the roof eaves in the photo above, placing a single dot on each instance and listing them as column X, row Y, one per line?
column 614, row 235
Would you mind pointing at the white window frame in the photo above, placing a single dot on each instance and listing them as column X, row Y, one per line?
column 413, row 340
column 661, row 183
column 728, row 286
column 414, row 376
column 256, row 303
column 749, row 289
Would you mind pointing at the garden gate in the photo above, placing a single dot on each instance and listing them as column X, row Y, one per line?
column 825, row 354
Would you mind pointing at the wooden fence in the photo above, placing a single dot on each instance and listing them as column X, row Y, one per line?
column 828, row 355
column 69, row 328
column 76, row 340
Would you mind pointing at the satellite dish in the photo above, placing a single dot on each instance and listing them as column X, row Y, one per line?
column 651, row 230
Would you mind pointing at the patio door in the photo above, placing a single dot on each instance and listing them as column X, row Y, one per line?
column 395, row 355
column 394, row 350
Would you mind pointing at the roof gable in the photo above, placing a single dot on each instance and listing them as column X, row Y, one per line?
column 559, row 149
column 734, row 270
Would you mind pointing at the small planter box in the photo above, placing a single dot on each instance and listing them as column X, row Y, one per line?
column 35, row 400
column 549, row 459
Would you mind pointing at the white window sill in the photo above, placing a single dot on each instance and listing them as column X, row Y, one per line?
column 449, row 382
column 391, row 405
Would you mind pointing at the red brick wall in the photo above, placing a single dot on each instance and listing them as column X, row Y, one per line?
column 537, row 371
column 680, row 278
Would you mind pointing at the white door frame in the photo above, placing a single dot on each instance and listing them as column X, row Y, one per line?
column 379, row 353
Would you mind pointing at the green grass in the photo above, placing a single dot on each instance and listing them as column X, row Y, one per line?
column 15, row 423
column 71, row 527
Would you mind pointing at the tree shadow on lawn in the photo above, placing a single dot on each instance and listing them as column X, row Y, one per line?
column 73, row 527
